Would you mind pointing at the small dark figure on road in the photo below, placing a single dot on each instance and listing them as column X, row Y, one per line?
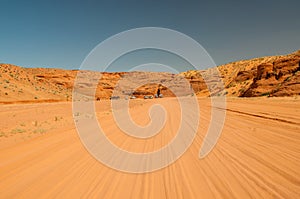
column 158, row 92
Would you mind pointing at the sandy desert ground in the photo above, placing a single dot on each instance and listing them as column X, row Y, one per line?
column 257, row 155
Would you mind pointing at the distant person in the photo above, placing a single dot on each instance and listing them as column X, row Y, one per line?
column 158, row 92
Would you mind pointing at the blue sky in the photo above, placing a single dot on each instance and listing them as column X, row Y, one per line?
column 62, row 33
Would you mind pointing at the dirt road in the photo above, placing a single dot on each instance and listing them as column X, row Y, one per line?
column 257, row 155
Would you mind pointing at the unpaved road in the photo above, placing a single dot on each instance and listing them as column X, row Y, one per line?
column 257, row 155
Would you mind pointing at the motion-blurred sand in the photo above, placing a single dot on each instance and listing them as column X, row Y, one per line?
column 257, row 155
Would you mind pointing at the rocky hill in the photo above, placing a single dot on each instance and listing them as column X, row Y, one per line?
column 18, row 84
column 265, row 76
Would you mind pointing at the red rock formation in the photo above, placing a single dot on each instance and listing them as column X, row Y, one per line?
column 271, row 76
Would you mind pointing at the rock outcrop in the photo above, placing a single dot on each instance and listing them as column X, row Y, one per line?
column 266, row 76
column 280, row 78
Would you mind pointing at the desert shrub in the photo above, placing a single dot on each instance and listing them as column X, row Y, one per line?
column 232, row 84
column 242, row 90
column 288, row 79
column 14, row 131
column 39, row 131
column 265, row 94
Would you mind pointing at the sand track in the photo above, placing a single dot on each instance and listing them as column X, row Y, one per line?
column 257, row 155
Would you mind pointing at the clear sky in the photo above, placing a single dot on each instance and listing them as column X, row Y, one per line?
column 61, row 33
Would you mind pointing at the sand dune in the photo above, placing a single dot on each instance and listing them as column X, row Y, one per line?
column 257, row 155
